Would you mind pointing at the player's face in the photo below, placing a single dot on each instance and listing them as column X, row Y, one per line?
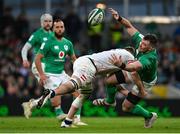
column 47, row 24
column 58, row 28
column 144, row 46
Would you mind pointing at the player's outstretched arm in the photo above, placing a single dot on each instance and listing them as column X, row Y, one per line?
column 117, row 61
column 130, row 28
column 137, row 80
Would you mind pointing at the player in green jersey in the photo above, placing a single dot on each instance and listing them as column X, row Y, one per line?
column 144, row 67
column 36, row 39
column 54, row 52
column 41, row 35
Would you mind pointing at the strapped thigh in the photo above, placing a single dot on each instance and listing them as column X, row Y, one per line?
column 120, row 77
column 133, row 98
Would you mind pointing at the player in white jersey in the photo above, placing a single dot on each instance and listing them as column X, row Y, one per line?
column 85, row 69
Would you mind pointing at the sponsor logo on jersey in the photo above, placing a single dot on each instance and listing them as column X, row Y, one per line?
column 56, row 47
column 61, row 54
column 45, row 39
column 66, row 47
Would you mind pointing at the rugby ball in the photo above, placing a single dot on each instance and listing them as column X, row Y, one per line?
column 95, row 17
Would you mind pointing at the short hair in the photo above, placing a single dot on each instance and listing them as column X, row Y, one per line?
column 152, row 38
column 130, row 49
column 44, row 17
column 57, row 20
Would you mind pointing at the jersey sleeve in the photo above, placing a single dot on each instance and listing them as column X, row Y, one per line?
column 44, row 48
column 71, row 49
column 146, row 62
column 33, row 39
column 136, row 39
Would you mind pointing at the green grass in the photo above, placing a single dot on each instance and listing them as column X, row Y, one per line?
column 95, row 125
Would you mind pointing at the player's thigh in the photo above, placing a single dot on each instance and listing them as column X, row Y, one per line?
column 34, row 70
column 115, row 78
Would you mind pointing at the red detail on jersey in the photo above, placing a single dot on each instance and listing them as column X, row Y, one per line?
column 61, row 54
column 83, row 77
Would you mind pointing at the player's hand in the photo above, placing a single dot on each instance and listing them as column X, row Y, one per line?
column 26, row 64
column 117, row 61
column 114, row 13
column 43, row 79
column 142, row 93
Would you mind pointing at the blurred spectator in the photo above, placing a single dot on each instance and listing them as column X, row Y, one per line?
column 73, row 25
column 22, row 26
column 116, row 34
column 177, row 36
column 7, row 20
column 95, row 37
column 177, row 74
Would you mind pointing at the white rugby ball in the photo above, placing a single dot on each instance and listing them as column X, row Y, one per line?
column 96, row 16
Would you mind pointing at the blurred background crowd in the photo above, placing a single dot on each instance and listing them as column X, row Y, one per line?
column 19, row 18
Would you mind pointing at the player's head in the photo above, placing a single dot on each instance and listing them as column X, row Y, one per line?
column 58, row 27
column 148, row 43
column 130, row 49
column 46, row 21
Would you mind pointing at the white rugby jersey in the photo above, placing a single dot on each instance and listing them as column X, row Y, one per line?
column 101, row 59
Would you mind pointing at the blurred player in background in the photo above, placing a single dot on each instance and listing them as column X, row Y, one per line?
column 54, row 52
column 36, row 39
column 39, row 37
column 85, row 69
column 146, row 67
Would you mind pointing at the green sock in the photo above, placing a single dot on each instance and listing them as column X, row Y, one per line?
column 139, row 110
column 58, row 111
column 111, row 92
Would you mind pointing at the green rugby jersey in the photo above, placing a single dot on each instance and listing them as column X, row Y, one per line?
column 148, row 60
column 54, row 52
column 38, row 37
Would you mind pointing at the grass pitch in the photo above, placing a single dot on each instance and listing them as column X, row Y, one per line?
column 95, row 125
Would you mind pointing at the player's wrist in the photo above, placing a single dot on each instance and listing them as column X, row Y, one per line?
column 119, row 19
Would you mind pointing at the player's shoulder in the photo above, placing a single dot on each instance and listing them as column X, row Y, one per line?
column 37, row 32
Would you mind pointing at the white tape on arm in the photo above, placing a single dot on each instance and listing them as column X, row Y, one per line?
column 25, row 50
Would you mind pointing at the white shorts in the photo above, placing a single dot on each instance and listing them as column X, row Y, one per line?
column 147, row 86
column 84, row 69
column 54, row 80
column 35, row 71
